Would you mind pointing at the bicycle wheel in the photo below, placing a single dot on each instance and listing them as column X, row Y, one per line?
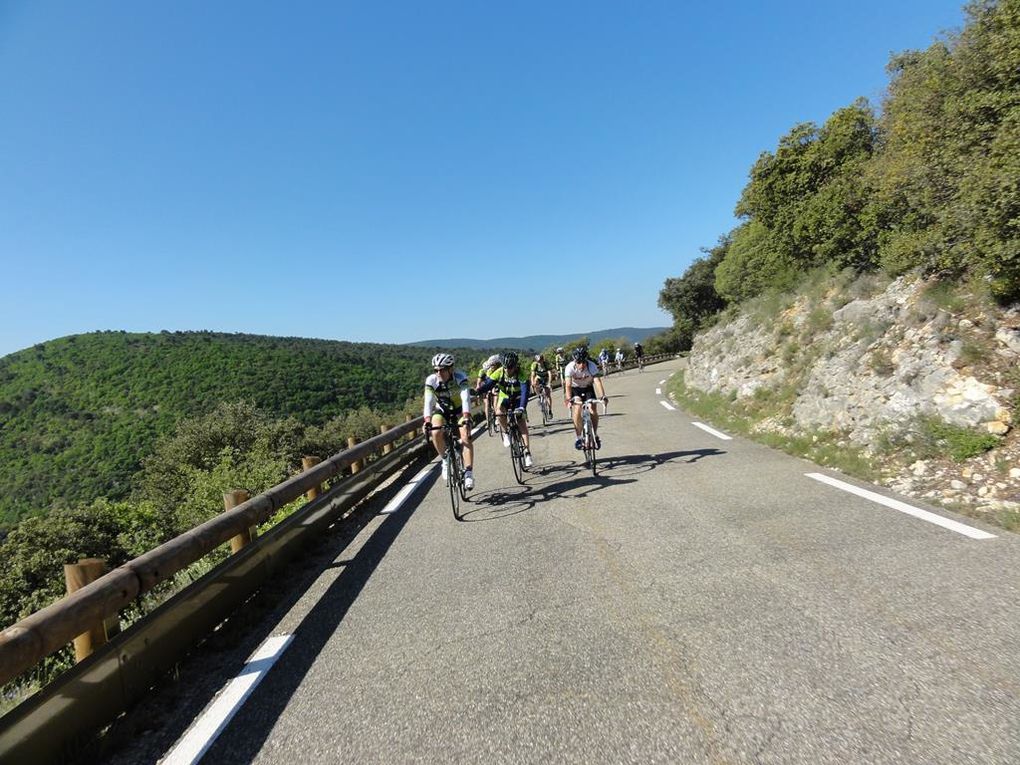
column 460, row 471
column 490, row 422
column 517, row 454
column 589, row 448
column 451, row 481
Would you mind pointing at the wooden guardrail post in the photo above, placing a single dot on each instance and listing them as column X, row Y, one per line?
column 414, row 433
column 232, row 499
column 76, row 576
column 306, row 464
column 356, row 466
column 387, row 448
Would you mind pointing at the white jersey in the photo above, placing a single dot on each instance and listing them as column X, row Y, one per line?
column 581, row 375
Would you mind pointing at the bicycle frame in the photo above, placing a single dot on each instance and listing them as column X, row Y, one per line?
column 588, row 430
column 516, row 445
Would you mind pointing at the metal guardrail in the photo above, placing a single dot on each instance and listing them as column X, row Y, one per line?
column 84, row 698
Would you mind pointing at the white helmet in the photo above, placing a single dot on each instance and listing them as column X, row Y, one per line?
column 442, row 360
column 560, row 349
column 494, row 360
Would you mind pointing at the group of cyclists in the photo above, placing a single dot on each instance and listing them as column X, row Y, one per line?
column 504, row 387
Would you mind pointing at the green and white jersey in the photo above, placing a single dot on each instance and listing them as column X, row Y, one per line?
column 447, row 396
column 507, row 384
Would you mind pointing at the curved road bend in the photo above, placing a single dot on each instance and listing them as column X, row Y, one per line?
column 701, row 601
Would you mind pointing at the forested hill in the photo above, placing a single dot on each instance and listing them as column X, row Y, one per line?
column 78, row 414
column 538, row 342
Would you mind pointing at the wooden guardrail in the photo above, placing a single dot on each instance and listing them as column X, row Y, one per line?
column 46, row 726
column 37, row 636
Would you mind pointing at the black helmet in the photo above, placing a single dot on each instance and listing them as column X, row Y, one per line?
column 580, row 354
column 510, row 359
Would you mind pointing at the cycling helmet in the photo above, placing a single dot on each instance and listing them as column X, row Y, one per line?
column 441, row 360
column 637, row 345
column 560, row 349
column 493, row 361
column 510, row 359
column 538, row 357
column 580, row 354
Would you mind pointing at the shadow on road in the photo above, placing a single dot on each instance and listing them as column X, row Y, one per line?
column 569, row 480
column 256, row 719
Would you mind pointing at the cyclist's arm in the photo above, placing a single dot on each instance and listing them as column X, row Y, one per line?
column 465, row 398
column 524, row 393
column 430, row 398
column 486, row 386
column 600, row 389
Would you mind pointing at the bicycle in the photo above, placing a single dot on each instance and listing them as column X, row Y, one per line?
column 516, row 445
column 545, row 404
column 491, row 423
column 588, row 431
column 453, row 462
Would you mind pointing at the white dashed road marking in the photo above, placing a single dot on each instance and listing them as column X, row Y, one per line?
column 214, row 720
column 713, row 431
column 903, row 507
column 670, row 408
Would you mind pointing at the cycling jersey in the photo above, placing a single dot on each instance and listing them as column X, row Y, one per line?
column 447, row 396
column 638, row 351
column 582, row 375
column 541, row 372
column 511, row 387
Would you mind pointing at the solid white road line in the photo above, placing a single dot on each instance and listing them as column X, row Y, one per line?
column 212, row 722
column 401, row 497
column 903, row 507
column 658, row 391
column 662, row 382
column 670, row 408
column 713, row 431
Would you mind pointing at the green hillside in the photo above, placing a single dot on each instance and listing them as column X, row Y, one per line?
column 78, row 414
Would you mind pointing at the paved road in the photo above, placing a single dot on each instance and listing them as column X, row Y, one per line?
column 701, row 601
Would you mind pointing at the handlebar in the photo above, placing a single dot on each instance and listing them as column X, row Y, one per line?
column 590, row 402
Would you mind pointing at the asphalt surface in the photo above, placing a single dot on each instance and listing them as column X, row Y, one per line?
column 700, row 601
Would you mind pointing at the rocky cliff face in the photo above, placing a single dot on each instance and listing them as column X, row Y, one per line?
column 871, row 367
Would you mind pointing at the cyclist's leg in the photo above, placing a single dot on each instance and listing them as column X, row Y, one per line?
column 502, row 402
column 576, row 415
column 522, row 425
column 438, row 440
column 469, row 449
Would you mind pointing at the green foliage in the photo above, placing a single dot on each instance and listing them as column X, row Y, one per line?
column 36, row 549
column 80, row 414
column 951, row 158
column 932, row 184
column 692, row 298
column 937, row 437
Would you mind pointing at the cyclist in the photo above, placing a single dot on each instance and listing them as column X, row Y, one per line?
column 488, row 366
column 541, row 376
column 619, row 360
column 561, row 362
column 639, row 354
column 512, row 385
column 446, row 390
column 604, row 360
column 582, row 380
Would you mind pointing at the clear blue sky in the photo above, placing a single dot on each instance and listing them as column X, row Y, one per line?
column 397, row 171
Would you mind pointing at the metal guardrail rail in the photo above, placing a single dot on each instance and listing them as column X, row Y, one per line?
column 46, row 726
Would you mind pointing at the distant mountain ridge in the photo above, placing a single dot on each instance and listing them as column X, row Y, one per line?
column 537, row 342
